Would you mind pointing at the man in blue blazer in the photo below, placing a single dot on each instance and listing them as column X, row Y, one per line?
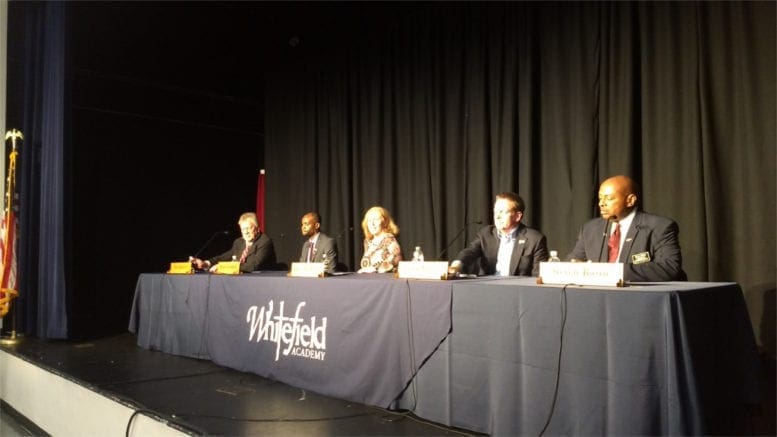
column 506, row 248
column 647, row 244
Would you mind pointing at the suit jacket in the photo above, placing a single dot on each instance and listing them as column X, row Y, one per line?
column 651, row 242
column 531, row 248
column 261, row 254
column 325, row 245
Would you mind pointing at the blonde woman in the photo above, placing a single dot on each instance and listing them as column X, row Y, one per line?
column 381, row 249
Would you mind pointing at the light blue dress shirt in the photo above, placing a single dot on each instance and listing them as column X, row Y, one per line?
column 506, row 245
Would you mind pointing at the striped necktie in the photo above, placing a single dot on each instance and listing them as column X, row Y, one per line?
column 245, row 253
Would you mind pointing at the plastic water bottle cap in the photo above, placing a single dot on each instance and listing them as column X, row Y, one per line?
column 553, row 253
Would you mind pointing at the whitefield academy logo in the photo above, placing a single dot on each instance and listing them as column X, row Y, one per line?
column 297, row 339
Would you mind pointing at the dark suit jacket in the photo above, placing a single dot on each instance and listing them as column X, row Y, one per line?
column 261, row 255
column 649, row 234
column 325, row 245
column 530, row 249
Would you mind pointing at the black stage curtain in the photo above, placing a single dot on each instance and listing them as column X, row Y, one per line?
column 456, row 103
column 42, row 258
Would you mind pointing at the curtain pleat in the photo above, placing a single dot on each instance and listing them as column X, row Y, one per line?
column 457, row 104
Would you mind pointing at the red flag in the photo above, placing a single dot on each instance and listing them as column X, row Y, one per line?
column 260, row 200
column 7, row 262
column 8, row 251
column 8, row 233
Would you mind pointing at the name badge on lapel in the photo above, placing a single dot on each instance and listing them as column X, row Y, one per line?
column 640, row 258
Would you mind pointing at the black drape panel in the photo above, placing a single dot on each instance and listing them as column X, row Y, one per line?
column 42, row 308
column 458, row 103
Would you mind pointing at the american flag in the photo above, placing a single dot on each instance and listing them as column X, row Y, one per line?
column 7, row 262
column 8, row 232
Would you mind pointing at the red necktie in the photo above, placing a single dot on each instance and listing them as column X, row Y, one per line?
column 310, row 251
column 245, row 254
column 614, row 244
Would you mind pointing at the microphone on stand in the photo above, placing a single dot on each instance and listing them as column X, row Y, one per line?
column 210, row 240
column 348, row 229
column 604, row 236
column 340, row 266
column 479, row 222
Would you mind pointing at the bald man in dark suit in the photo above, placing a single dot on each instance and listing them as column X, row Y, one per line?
column 646, row 244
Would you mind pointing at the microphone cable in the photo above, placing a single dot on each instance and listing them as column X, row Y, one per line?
column 409, row 413
column 411, row 341
column 181, row 426
column 558, row 366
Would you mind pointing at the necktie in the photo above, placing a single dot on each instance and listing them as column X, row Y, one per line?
column 245, row 254
column 613, row 245
column 310, row 251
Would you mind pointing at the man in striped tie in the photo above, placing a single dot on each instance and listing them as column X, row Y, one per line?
column 254, row 250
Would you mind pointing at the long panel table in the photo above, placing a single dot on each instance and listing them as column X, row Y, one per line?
column 359, row 338
column 670, row 358
column 650, row 359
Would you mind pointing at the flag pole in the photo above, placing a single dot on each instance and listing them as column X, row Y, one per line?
column 260, row 201
column 8, row 240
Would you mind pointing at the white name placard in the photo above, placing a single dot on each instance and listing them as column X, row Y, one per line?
column 307, row 270
column 581, row 273
column 423, row 270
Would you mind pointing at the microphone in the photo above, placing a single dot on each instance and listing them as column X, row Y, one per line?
column 349, row 228
column 479, row 222
column 604, row 236
column 210, row 240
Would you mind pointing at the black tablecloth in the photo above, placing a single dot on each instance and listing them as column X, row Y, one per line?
column 360, row 338
column 670, row 359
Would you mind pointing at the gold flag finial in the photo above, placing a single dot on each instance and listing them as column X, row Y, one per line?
column 14, row 134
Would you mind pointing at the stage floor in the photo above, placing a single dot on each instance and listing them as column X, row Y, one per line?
column 205, row 398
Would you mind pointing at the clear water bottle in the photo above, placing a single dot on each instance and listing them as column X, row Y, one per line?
column 418, row 254
column 553, row 257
